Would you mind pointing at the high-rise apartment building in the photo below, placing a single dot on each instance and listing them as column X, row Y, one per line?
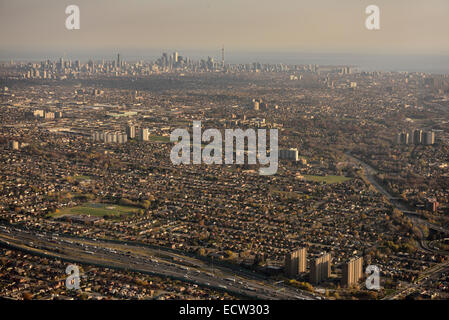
column 49, row 115
column 417, row 136
column 428, row 138
column 131, row 131
column 109, row 137
column 122, row 138
column 14, row 145
column 295, row 262
column 289, row 154
column 403, row 138
column 143, row 134
column 352, row 272
column 320, row 268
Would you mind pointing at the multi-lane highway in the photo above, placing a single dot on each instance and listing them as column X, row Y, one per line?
column 136, row 257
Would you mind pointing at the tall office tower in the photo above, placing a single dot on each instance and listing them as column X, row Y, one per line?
column 428, row 138
column 295, row 262
column 320, row 269
column 143, row 134
column 352, row 272
column 210, row 63
column 222, row 58
column 131, row 131
column 256, row 105
column 61, row 64
column 175, row 56
column 417, row 136
column 118, row 60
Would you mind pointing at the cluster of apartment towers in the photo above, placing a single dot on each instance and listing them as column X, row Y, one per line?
column 320, row 267
column 120, row 137
column 418, row 137
column 43, row 114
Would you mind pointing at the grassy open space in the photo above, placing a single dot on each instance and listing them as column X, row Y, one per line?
column 155, row 138
column 96, row 209
column 81, row 178
column 326, row 179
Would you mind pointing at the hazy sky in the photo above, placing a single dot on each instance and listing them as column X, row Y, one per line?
column 407, row 26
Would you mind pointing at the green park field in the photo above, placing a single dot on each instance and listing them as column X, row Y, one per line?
column 96, row 209
column 326, row 179
column 155, row 138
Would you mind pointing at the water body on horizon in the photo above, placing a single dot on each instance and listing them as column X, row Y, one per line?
column 437, row 64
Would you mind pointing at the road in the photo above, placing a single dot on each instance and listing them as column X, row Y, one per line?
column 370, row 174
column 428, row 274
column 147, row 260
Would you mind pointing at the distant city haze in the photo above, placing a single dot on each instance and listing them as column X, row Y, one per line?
column 413, row 34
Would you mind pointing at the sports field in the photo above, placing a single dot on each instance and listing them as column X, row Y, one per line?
column 96, row 209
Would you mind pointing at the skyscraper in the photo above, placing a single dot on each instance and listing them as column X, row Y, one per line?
column 352, row 272
column 60, row 65
column 295, row 262
column 320, row 268
column 256, row 105
column 118, row 60
column 222, row 58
